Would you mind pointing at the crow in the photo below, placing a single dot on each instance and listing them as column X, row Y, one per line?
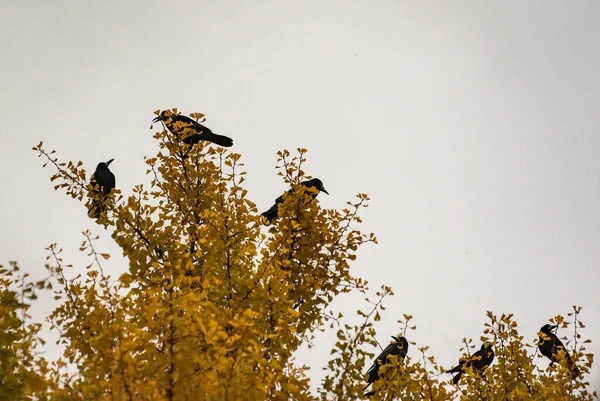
column 312, row 185
column 102, row 182
column 397, row 347
column 479, row 361
column 190, row 130
column 550, row 345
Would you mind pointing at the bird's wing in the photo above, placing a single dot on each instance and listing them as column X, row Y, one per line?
column 477, row 361
column 181, row 124
column 201, row 128
column 457, row 368
column 111, row 180
column 390, row 349
column 373, row 366
column 106, row 179
column 461, row 363
column 545, row 347
column 382, row 357
column 195, row 125
column 280, row 198
column 97, row 181
column 183, row 119
column 557, row 345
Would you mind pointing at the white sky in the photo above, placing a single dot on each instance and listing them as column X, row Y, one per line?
column 473, row 126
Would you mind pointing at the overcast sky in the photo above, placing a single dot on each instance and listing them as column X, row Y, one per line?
column 473, row 126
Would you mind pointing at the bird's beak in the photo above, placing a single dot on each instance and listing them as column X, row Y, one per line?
column 324, row 190
column 157, row 119
column 108, row 162
column 554, row 327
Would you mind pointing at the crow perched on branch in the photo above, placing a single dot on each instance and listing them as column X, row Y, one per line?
column 189, row 130
column 550, row 345
column 314, row 187
column 397, row 347
column 478, row 362
column 102, row 182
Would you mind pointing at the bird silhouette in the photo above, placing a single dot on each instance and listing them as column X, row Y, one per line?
column 315, row 186
column 478, row 362
column 397, row 347
column 102, row 182
column 550, row 345
column 189, row 130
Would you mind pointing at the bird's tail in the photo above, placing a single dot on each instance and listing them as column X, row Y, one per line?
column 456, row 378
column 221, row 140
column 192, row 139
column 210, row 137
column 455, row 369
column 370, row 393
column 271, row 214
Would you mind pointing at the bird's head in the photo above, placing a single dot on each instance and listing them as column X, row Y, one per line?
column 401, row 341
column 102, row 165
column 164, row 115
column 316, row 183
column 547, row 328
column 486, row 345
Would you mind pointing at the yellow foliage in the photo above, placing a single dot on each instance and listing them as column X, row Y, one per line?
column 215, row 304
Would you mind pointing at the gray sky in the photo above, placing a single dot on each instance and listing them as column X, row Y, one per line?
column 473, row 126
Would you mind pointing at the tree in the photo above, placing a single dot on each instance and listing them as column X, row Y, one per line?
column 22, row 372
column 215, row 303
column 213, row 306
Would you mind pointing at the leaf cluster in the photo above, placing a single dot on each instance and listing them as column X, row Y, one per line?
column 215, row 304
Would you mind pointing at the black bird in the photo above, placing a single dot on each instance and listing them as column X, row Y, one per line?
column 549, row 346
column 313, row 184
column 181, row 125
column 397, row 347
column 102, row 181
column 479, row 361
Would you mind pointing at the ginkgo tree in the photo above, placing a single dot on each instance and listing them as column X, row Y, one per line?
column 215, row 303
